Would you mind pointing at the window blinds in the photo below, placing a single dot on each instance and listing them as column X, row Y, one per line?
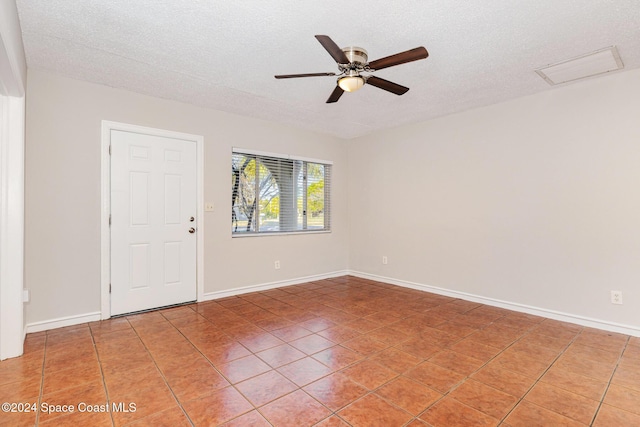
column 279, row 194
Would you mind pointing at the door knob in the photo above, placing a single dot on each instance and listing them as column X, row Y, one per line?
column 192, row 230
column 192, row 219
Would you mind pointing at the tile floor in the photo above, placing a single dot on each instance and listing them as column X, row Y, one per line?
column 336, row 352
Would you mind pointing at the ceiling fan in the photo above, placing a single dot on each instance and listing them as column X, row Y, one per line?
column 352, row 61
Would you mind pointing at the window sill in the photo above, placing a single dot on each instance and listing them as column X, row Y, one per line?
column 277, row 233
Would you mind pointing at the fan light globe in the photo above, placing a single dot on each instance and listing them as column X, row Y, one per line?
column 351, row 83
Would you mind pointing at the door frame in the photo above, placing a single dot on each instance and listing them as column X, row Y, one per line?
column 105, row 201
column 12, row 157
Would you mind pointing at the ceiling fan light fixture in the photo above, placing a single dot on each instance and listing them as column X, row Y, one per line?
column 353, row 60
column 350, row 83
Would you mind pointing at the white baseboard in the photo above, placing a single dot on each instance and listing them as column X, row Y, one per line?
column 551, row 314
column 271, row 285
column 543, row 312
column 61, row 322
column 92, row 317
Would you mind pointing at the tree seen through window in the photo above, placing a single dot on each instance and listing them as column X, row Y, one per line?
column 271, row 194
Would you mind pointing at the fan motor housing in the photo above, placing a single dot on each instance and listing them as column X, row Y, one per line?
column 356, row 54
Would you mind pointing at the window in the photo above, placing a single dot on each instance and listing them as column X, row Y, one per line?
column 278, row 194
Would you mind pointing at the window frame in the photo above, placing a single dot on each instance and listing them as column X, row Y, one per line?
column 328, row 164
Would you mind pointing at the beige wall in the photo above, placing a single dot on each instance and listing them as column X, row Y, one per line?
column 535, row 201
column 63, row 193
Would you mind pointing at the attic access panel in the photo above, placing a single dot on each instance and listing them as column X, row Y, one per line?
column 591, row 64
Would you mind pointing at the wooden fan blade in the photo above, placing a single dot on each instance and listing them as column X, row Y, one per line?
column 335, row 95
column 399, row 58
column 294, row 76
column 387, row 85
column 333, row 49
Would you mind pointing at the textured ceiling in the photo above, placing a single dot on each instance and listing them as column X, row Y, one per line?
column 224, row 54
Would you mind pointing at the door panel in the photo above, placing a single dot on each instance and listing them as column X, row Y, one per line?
column 172, row 252
column 139, row 183
column 153, row 197
column 172, row 189
column 139, row 266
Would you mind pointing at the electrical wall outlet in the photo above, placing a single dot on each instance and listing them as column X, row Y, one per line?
column 616, row 297
column 385, row 261
column 277, row 265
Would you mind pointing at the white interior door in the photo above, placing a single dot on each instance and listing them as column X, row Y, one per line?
column 153, row 221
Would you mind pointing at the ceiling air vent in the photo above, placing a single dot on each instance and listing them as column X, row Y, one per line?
column 592, row 64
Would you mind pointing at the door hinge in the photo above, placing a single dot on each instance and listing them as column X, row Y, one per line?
column 109, row 220
column 109, row 149
column 109, row 287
